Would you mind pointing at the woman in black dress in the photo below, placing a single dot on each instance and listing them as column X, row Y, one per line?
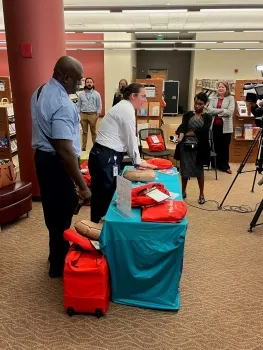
column 193, row 149
column 118, row 96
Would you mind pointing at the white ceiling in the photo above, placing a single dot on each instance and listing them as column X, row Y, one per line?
column 184, row 22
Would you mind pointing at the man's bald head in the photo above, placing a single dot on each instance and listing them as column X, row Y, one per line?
column 68, row 72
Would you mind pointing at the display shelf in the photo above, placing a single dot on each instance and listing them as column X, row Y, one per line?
column 239, row 145
column 152, row 109
column 8, row 146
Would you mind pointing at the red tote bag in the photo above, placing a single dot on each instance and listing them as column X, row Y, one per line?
column 139, row 198
column 168, row 211
column 155, row 143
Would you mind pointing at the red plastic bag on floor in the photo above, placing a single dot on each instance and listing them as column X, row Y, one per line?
column 168, row 211
column 139, row 198
column 155, row 143
column 160, row 163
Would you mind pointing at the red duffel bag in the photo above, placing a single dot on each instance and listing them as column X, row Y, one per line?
column 160, row 163
column 139, row 198
column 168, row 211
column 86, row 277
column 155, row 143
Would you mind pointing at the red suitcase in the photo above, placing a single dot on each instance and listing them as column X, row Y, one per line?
column 86, row 278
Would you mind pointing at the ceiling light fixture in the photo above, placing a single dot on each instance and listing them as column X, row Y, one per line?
column 199, row 42
column 232, row 10
column 154, row 11
column 253, row 49
column 189, row 49
column 211, row 31
column 158, row 49
column 70, row 32
column 252, row 31
column 157, row 32
column 225, row 49
column 240, row 42
column 85, row 11
column 158, row 42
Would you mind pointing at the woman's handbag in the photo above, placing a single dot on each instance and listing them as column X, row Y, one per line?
column 190, row 144
column 7, row 174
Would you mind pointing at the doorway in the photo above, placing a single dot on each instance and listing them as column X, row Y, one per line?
column 159, row 73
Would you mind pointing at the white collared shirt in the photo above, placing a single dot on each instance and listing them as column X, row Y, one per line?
column 118, row 130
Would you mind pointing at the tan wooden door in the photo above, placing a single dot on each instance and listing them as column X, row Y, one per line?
column 159, row 73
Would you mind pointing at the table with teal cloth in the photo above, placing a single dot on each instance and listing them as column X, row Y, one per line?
column 145, row 258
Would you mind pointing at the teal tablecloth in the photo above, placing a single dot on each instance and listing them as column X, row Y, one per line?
column 145, row 259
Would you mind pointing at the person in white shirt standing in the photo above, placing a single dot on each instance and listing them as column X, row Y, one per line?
column 89, row 107
column 116, row 135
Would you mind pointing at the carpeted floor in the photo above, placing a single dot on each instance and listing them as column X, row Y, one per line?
column 221, row 288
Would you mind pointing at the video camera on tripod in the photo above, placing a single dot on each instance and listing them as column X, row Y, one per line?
column 254, row 93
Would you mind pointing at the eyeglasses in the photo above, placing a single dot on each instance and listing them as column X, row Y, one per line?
column 142, row 96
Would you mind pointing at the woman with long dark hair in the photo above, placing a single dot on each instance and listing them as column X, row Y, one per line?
column 193, row 149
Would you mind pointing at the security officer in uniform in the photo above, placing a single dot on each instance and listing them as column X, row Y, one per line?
column 56, row 138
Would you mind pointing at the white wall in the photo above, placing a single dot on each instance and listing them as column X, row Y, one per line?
column 221, row 64
column 117, row 64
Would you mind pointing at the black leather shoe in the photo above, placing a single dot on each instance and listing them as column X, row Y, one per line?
column 55, row 273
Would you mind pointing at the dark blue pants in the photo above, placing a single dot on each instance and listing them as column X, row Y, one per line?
column 59, row 199
column 103, row 183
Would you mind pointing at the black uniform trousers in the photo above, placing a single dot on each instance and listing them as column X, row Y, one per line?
column 103, row 183
column 221, row 144
column 59, row 199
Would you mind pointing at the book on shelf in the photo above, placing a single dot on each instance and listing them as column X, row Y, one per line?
column 242, row 108
column 153, row 123
column 3, row 142
column 238, row 132
column 143, row 112
column 154, row 109
column 255, row 131
column 248, row 131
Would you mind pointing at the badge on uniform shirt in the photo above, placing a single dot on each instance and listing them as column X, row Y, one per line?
column 115, row 170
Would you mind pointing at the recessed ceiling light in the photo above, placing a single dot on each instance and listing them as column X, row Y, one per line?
column 253, row 49
column 232, row 10
column 240, row 42
column 199, row 42
column 157, row 32
column 225, row 49
column 158, row 42
column 189, row 49
column 211, row 31
column 252, row 31
column 154, row 11
column 85, row 11
column 159, row 49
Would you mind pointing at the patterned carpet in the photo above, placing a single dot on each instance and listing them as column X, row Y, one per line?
column 221, row 288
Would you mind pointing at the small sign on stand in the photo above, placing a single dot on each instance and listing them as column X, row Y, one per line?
column 124, row 188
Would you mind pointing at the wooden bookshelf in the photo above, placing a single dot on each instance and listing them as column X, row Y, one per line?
column 5, row 89
column 158, row 84
column 8, row 144
column 239, row 146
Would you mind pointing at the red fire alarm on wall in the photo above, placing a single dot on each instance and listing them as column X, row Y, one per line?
column 26, row 50
column 236, row 71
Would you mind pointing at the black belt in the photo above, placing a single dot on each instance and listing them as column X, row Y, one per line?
column 102, row 148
